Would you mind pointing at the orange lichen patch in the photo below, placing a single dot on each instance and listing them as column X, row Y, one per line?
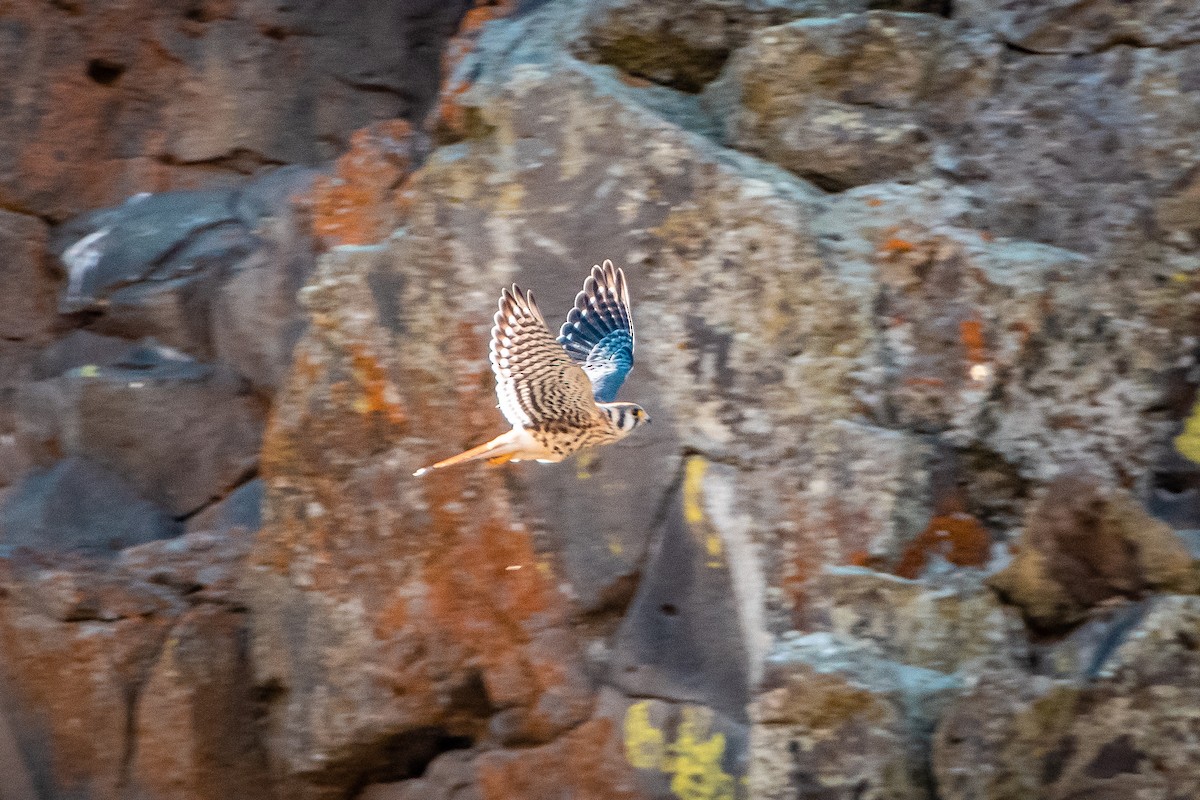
column 392, row 619
column 483, row 12
column 487, row 596
column 874, row 202
column 450, row 116
column 829, row 532
column 586, row 764
column 361, row 202
column 795, row 581
column 378, row 394
column 970, row 333
column 483, row 579
column 959, row 538
column 987, row 236
column 279, row 453
column 859, row 558
column 897, row 245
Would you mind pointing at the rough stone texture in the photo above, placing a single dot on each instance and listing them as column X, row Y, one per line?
column 1095, row 153
column 1082, row 545
column 103, row 102
column 895, row 273
column 954, row 624
column 471, row 641
column 27, row 322
column 584, row 763
column 684, row 45
column 361, row 203
column 854, row 99
column 79, row 348
column 156, row 237
column 194, row 725
column 114, row 689
column 827, row 349
column 72, row 684
column 181, row 433
column 241, row 508
column 255, row 322
column 28, row 282
column 212, row 273
column 1129, row 731
column 834, row 720
column 80, row 505
column 450, row 776
column 680, row 749
column 203, row 566
column 1078, row 26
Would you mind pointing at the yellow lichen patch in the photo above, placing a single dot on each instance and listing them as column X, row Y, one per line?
column 693, row 479
column 645, row 745
column 693, row 508
column 693, row 759
column 1188, row 442
column 696, row 759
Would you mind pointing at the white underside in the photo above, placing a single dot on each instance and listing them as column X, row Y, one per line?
column 530, row 448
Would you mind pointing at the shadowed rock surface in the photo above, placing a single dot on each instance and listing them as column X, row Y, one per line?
column 915, row 294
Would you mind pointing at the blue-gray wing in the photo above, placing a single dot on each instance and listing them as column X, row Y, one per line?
column 598, row 333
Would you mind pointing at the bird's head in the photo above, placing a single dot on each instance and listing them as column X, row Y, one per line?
column 626, row 416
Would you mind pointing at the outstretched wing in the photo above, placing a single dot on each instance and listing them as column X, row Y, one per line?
column 536, row 381
column 598, row 332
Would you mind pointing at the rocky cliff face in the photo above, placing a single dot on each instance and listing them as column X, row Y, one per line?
column 915, row 294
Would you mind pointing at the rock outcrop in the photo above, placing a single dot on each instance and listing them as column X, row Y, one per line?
column 915, row 293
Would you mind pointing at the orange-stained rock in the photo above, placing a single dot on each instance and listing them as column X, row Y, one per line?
column 71, row 685
column 102, row 101
column 383, row 604
column 449, row 119
column 864, row 517
column 98, row 675
column 363, row 201
column 958, row 538
column 195, row 719
column 585, row 764
column 28, row 312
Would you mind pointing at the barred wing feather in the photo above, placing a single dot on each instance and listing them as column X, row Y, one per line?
column 536, row 381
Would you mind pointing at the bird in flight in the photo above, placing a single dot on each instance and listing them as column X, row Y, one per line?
column 559, row 395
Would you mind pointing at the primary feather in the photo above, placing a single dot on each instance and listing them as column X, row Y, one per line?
column 598, row 333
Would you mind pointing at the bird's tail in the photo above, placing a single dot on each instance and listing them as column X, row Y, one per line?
column 497, row 451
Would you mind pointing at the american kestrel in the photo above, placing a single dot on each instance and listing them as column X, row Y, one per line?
column 559, row 395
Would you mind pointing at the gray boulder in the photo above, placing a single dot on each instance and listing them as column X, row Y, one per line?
column 182, row 433
column 78, row 505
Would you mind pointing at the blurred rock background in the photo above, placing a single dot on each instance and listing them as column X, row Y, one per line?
column 916, row 286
